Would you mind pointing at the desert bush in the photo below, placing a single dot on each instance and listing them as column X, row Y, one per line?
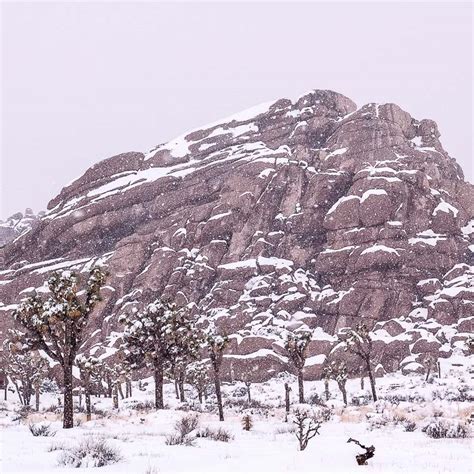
column 41, row 430
column 399, row 419
column 49, row 386
column 54, row 409
column 284, row 429
column 409, row 426
column 239, row 392
column 315, row 399
column 361, row 400
column 307, row 426
column 219, row 434
column 90, row 452
column 144, row 406
column 174, row 439
column 22, row 413
column 244, row 403
column 183, row 429
column 446, row 428
column 378, row 420
column 187, row 424
column 56, row 446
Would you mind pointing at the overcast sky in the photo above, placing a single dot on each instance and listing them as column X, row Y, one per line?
column 84, row 81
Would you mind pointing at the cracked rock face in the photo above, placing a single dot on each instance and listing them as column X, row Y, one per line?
column 291, row 214
column 17, row 224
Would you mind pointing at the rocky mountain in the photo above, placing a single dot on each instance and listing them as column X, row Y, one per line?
column 311, row 212
column 17, row 224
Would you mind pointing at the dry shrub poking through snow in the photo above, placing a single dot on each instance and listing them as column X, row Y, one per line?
column 41, row 430
column 307, row 426
column 446, row 428
column 90, row 452
column 219, row 434
column 284, row 429
column 183, row 429
column 409, row 426
column 56, row 446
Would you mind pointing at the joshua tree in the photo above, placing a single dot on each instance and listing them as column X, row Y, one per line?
column 430, row 363
column 56, row 325
column 338, row 372
column 287, row 400
column 90, row 369
column 307, row 426
column 198, row 377
column 358, row 342
column 297, row 346
column 26, row 369
column 216, row 345
column 160, row 334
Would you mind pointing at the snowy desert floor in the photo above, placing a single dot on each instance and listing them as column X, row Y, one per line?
column 139, row 433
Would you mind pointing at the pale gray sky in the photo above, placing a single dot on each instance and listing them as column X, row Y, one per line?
column 84, row 81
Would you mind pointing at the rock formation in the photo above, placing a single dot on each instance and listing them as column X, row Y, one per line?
column 312, row 212
column 17, row 224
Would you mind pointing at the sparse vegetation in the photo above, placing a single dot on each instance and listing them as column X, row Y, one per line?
column 90, row 452
column 446, row 428
column 41, row 429
column 307, row 426
column 219, row 434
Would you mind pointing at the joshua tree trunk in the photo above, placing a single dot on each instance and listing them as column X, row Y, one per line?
column 159, row 385
column 200, row 395
column 300, row 386
column 428, row 372
column 176, row 387
column 18, row 391
column 181, row 391
column 37, row 396
column 342, row 388
column 115, row 398
column 362, row 383
column 68, row 417
column 5, row 395
column 109, row 386
column 88, row 404
column 287, row 400
column 439, row 371
column 326, row 388
column 372, row 379
column 249, row 398
column 217, row 384
column 119, row 386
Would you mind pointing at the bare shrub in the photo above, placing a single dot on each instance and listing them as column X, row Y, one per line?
column 90, row 452
column 445, row 428
column 307, row 426
column 183, row 429
column 144, row 406
column 41, row 430
column 187, row 424
column 22, row 413
column 56, row 446
column 219, row 434
column 409, row 426
column 174, row 439
column 285, row 429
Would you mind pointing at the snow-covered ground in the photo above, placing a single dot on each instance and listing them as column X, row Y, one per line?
column 270, row 446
